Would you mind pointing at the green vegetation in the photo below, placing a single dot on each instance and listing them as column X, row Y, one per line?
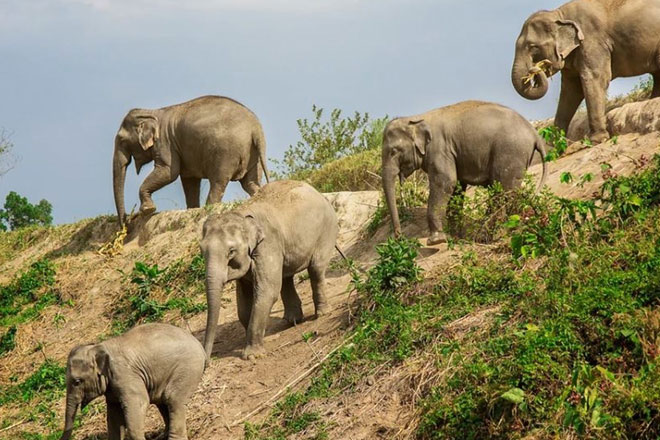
column 154, row 291
column 26, row 296
column 19, row 213
column 47, row 382
column 565, row 340
column 323, row 142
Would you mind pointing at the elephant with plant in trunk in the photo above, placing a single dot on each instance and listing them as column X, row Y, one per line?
column 211, row 137
column 152, row 363
column 471, row 143
column 286, row 228
column 591, row 42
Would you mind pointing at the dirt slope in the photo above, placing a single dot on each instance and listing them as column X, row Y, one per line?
column 234, row 390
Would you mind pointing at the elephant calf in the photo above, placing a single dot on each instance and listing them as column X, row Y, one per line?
column 285, row 228
column 471, row 143
column 152, row 363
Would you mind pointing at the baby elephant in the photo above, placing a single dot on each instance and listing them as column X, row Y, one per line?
column 471, row 143
column 152, row 363
column 285, row 228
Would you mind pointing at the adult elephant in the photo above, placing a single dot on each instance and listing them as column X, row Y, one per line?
column 471, row 143
column 210, row 137
column 591, row 42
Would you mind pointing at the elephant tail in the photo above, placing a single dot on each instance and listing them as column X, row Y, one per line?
column 259, row 141
column 539, row 146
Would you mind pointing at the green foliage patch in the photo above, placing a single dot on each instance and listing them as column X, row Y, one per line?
column 19, row 213
column 27, row 295
column 154, row 291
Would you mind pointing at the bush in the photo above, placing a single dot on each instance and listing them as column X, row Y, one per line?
column 19, row 213
column 323, row 142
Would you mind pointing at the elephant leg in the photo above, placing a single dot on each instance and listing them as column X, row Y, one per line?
column 115, row 419
column 244, row 297
column 441, row 187
column 178, row 429
column 165, row 413
column 250, row 185
column 191, row 187
column 217, row 191
column 656, row 85
column 267, row 285
column 158, row 178
column 594, row 83
column 317, row 279
column 292, row 305
column 570, row 97
column 135, row 411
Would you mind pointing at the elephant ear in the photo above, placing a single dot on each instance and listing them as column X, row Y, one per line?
column 102, row 361
column 255, row 234
column 147, row 130
column 421, row 135
column 569, row 37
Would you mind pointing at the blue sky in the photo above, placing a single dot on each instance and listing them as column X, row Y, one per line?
column 71, row 69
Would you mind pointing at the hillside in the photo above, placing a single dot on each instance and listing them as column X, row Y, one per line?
column 64, row 292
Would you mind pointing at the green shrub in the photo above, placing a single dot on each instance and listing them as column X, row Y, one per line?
column 154, row 291
column 323, row 142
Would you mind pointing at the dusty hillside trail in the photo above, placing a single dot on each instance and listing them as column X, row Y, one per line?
column 233, row 390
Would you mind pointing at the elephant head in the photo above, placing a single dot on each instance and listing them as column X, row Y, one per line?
column 404, row 148
column 87, row 375
column 136, row 137
column 546, row 40
column 228, row 245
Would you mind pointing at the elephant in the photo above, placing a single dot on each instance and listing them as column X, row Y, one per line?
column 210, row 137
column 285, row 228
column 591, row 42
column 471, row 143
column 151, row 363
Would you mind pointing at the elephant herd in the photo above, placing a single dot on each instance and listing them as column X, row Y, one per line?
column 287, row 226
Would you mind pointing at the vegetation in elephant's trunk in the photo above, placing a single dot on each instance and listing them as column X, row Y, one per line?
column 530, row 80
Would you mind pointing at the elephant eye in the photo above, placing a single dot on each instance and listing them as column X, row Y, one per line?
column 77, row 382
column 231, row 253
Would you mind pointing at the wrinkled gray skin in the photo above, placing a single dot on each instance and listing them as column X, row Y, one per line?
column 286, row 228
column 472, row 142
column 210, row 137
column 591, row 42
column 152, row 363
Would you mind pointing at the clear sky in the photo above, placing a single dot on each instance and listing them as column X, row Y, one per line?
column 71, row 69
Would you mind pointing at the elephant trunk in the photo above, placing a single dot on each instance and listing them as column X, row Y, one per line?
column 390, row 173
column 69, row 416
column 529, row 81
column 120, row 161
column 214, row 284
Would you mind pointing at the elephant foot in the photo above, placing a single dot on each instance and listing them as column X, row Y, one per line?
column 436, row 238
column 599, row 137
column 253, row 352
column 293, row 317
column 147, row 208
column 323, row 309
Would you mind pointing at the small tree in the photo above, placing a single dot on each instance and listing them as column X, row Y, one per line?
column 325, row 141
column 6, row 158
column 19, row 213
